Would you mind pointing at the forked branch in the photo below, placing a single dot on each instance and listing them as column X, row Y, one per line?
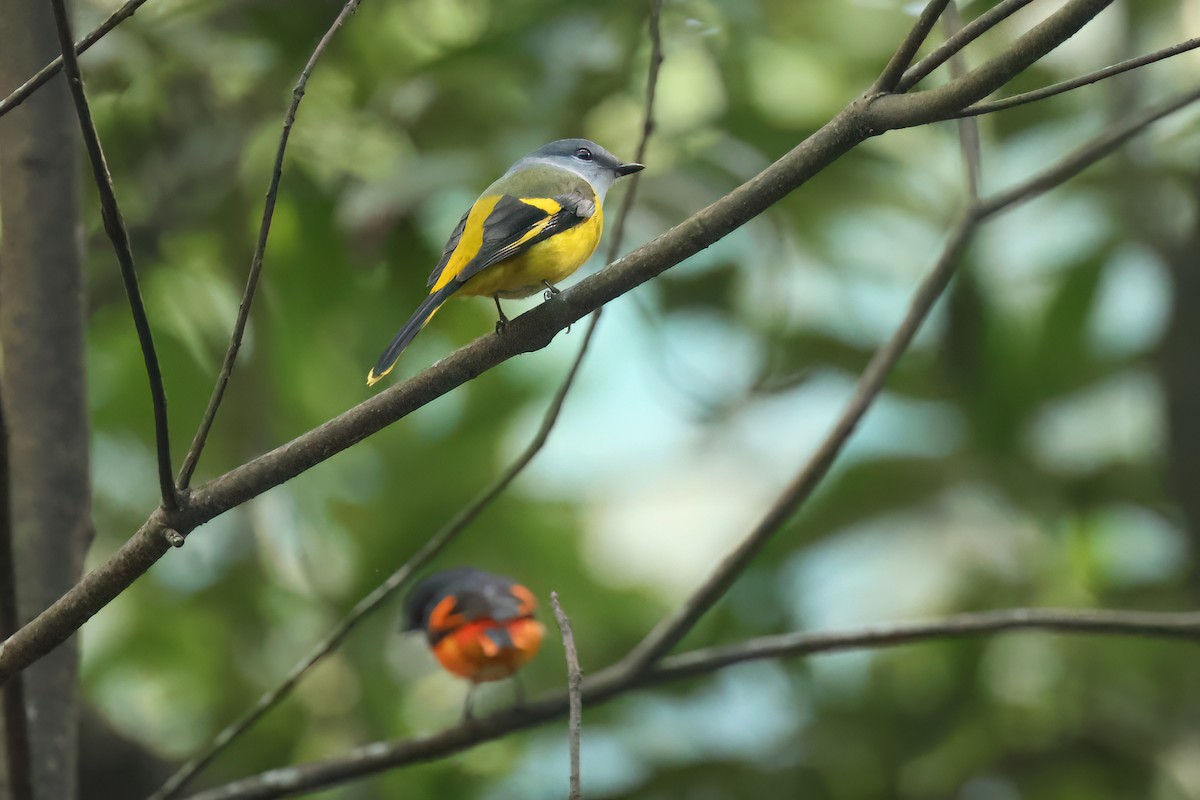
column 114, row 226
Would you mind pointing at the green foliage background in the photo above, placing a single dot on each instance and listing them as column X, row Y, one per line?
column 1020, row 456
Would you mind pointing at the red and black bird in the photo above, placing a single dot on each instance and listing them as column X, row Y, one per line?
column 479, row 625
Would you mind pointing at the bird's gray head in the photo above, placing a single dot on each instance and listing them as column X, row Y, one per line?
column 585, row 158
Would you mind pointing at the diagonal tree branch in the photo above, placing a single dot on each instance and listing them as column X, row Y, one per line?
column 22, row 92
column 674, row 627
column 1086, row 155
column 536, row 328
column 260, row 248
column 114, row 226
column 531, row 331
column 620, row 679
column 1075, row 83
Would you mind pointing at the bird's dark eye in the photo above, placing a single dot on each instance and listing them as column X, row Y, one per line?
column 583, row 154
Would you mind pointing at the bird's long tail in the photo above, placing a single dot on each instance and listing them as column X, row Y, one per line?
column 429, row 306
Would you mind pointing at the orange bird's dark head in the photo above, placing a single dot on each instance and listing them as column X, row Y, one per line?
column 479, row 625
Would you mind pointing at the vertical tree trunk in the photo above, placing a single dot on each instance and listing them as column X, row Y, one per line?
column 1181, row 374
column 43, row 384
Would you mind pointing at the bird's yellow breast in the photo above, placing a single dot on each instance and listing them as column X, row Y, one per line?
column 551, row 260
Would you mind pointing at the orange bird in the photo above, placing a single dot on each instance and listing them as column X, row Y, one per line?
column 479, row 625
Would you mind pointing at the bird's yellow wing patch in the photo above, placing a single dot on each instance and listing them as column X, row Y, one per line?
column 469, row 242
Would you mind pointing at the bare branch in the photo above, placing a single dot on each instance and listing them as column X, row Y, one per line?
column 673, row 628
column 968, row 129
column 575, row 701
column 256, row 262
column 1160, row 625
column 22, row 92
column 114, row 226
column 621, row 679
column 537, row 327
column 893, row 111
column 1075, row 83
column 954, row 44
column 908, row 48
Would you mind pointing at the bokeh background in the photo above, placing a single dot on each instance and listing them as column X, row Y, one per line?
column 1038, row 445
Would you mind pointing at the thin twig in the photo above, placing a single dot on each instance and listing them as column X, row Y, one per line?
column 1086, row 155
column 1162, row 625
column 22, row 92
column 574, row 681
column 438, row 542
column 890, row 77
column 1075, row 83
column 656, row 59
column 969, row 33
column 114, row 226
column 673, row 628
column 16, row 722
column 260, row 248
column 620, row 679
column 968, row 129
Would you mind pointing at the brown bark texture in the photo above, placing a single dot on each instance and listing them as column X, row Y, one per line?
column 43, row 379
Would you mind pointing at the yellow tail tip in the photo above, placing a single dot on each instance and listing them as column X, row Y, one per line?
column 374, row 378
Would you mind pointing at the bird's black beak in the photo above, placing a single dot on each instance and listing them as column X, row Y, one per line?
column 629, row 169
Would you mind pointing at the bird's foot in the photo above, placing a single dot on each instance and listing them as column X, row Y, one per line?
column 502, row 322
column 468, row 716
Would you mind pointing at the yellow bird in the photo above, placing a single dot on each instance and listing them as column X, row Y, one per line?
column 530, row 229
